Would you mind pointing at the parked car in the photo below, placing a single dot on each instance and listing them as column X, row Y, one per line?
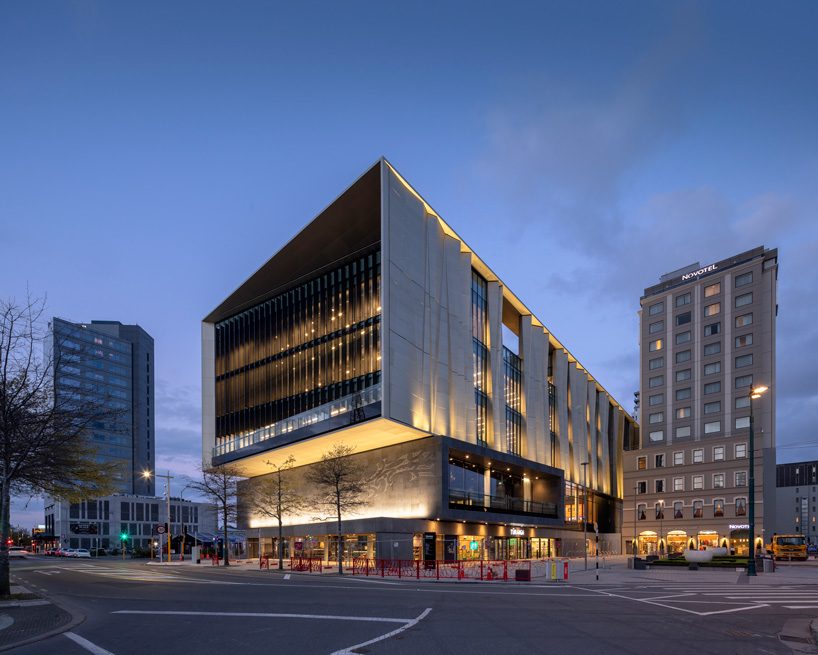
column 812, row 549
column 67, row 552
column 18, row 551
column 81, row 552
column 51, row 552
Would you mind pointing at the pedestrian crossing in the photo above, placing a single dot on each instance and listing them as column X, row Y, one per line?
column 722, row 597
column 119, row 572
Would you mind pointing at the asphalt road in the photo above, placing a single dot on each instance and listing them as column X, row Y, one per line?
column 132, row 608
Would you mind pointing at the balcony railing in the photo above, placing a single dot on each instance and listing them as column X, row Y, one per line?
column 502, row 504
column 348, row 404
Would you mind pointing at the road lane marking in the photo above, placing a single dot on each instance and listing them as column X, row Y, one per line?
column 87, row 645
column 680, row 609
column 411, row 623
column 267, row 615
column 287, row 577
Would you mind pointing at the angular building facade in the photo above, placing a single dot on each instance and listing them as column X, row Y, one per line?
column 377, row 327
column 111, row 364
column 707, row 339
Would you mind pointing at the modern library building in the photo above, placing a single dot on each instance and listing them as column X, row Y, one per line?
column 479, row 435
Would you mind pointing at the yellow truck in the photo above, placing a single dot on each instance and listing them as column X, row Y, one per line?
column 788, row 546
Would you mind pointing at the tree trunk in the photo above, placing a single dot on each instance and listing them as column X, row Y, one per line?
column 279, row 545
column 5, row 582
column 226, row 542
column 340, row 540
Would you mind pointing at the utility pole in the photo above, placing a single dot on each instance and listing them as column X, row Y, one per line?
column 168, row 477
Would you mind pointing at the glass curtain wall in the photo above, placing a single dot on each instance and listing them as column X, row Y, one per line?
column 480, row 353
column 512, row 366
column 312, row 344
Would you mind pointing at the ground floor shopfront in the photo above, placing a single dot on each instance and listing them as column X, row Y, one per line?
column 735, row 538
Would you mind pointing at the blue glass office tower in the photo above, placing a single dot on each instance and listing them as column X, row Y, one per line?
column 111, row 363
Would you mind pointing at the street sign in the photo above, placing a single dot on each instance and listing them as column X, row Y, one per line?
column 160, row 529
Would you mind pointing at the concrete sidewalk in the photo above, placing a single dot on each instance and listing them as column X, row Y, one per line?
column 29, row 618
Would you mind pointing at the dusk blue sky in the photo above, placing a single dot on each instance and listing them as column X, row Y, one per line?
column 154, row 154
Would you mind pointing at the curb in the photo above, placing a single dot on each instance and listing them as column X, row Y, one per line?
column 77, row 618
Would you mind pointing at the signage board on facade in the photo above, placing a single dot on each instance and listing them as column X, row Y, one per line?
column 517, row 532
column 84, row 528
column 701, row 271
column 739, row 526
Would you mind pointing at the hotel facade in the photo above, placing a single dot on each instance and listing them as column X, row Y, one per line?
column 479, row 434
column 707, row 338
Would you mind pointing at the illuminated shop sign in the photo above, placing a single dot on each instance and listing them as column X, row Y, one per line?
column 517, row 532
column 701, row 271
column 739, row 526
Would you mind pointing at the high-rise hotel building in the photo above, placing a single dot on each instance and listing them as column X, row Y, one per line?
column 707, row 336
column 377, row 326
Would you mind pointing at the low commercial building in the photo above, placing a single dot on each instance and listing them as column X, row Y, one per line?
column 796, row 490
column 99, row 523
column 479, row 434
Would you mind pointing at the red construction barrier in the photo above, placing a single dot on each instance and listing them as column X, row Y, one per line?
column 444, row 570
column 306, row 564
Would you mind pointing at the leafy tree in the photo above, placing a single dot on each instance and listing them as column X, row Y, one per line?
column 340, row 487
column 275, row 496
column 219, row 484
column 44, row 445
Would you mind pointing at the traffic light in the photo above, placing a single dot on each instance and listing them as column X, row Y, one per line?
column 123, row 536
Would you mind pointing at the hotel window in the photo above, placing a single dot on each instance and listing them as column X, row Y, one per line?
column 698, row 455
column 656, row 381
column 512, row 370
column 678, row 458
column 744, row 340
column 712, row 368
column 712, row 427
column 657, row 308
column 742, row 422
column 712, row 290
column 683, row 412
column 642, row 487
column 698, row 482
column 718, row 507
column 656, row 363
column 657, row 435
column 712, row 309
column 682, row 356
column 683, row 394
column 744, row 320
column 698, row 509
column 655, row 328
column 658, row 417
column 712, row 329
column 655, row 345
column 480, row 354
column 641, row 463
column 656, row 399
column 678, row 510
column 660, row 511
column 741, row 478
column 642, row 510
column 683, row 319
column 683, row 300
column 744, row 360
column 659, row 460
column 744, row 279
column 741, row 450
column 712, row 348
column 712, row 408
column 718, row 481
column 682, row 431
column 718, row 453
column 741, row 507
column 744, row 299
column 744, row 381
column 683, row 375
column 742, row 402
column 712, row 387
column 683, row 337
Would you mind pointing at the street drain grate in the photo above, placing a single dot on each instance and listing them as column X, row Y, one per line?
column 740, row 633
column 800, row 640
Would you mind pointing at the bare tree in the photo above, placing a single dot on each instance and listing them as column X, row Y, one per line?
column 341, row 488
column 44, row 447
column 276, row 497
column 220, row 485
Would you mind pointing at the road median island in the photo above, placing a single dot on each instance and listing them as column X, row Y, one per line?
column 31, row 617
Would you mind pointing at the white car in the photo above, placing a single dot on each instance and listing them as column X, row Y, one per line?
column 81, row 552
column 67, row 552
column 18, row 551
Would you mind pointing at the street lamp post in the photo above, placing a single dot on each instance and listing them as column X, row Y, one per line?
column 662, row 546
column 168, row 477
column 584, row 466
column 751, row 561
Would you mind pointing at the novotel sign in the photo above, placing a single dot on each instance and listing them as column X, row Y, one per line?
column 701, row 271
